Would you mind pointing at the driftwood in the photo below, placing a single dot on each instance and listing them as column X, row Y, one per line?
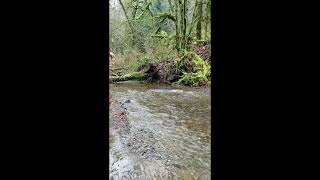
column 111, row 55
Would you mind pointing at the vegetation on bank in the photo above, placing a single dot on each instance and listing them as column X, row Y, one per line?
column 160, row 41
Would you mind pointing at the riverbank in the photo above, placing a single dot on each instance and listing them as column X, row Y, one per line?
column 192, row 69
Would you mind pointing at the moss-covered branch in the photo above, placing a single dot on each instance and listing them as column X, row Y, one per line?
column 131, row 76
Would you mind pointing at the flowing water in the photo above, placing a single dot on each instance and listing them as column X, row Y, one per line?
column 168, row 135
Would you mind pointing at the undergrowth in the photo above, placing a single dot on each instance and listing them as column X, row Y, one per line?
column 191, row 69
column 137, row 65
column 199, row 73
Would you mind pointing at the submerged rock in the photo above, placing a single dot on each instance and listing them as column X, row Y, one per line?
column 127, row 101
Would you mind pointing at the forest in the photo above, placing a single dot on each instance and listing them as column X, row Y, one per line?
column 160, row 41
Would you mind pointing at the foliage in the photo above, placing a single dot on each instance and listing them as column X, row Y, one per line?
column 200, row 71
column 153, row 31
column 139, row 64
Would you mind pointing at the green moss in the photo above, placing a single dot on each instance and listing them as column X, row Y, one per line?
column 136, row 76
column 200, row 71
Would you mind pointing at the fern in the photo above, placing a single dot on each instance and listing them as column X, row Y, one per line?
column 201, row 71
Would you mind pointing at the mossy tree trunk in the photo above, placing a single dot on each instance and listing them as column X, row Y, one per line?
column 177, row 23
column 208, row 4
column 199, row 25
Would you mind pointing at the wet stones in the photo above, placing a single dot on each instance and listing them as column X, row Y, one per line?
column 118, row 120
column 124, row 105
column 142, row 142
column 127, row 101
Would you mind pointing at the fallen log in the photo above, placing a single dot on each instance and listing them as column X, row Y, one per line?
column 131, row 76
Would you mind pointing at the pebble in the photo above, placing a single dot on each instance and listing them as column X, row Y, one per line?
column 127, row 101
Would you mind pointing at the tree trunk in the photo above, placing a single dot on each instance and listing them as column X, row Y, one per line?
column 129, row 23
column 181, row 23
column 199, row 28
column 184, row 32
column 194, row 17
column 125, row 13
column 177, row 23
column 207, row 19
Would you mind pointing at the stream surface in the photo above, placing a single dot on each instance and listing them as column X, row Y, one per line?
column 166, row 132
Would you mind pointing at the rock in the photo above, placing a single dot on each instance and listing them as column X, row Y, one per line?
column 127, row 101
column 177, row 166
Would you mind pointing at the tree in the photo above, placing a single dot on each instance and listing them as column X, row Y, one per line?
column 199, row 27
